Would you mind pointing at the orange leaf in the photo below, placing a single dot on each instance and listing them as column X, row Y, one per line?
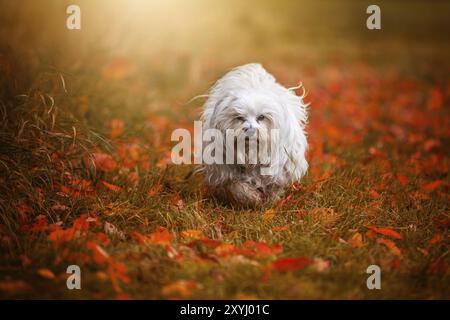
column 46, row 273
column 386, row 231
column 356, row 240
column 139, row 237
column 225, row 249
column 104, row 162
column 111, row 186
column 14, row 286
column 100, row 255
column 60, row 236
column 156, row 189
column 390, row 245
column 193, row 234
column 374, row 194
column 116, row 128
column 161, row 236
column 269, row 215
column 181, row 288
column 280, row 228
column 261, row 248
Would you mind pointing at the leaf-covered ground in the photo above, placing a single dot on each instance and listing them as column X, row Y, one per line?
column 86, row 176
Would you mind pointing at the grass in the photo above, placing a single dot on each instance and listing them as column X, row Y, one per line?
column 76, row 112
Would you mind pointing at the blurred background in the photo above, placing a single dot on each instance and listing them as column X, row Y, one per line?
column 172, row 50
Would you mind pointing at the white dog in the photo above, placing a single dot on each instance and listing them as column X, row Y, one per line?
column 249, row 101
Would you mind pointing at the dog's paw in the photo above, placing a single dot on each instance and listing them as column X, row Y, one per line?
column 241, row 194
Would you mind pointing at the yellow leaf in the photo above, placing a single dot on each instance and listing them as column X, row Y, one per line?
column 180, row 288
column 327, row 216
column 192, row 233
column 268, row 215
column 356, row 241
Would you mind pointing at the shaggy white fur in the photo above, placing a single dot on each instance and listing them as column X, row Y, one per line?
column 249, row 101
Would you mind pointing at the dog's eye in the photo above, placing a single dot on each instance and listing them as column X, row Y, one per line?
column 261, row 118
column 240, row 118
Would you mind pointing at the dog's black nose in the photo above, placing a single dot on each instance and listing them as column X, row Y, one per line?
column 250, row 131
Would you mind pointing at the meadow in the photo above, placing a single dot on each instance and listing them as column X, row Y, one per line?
column 86, row 176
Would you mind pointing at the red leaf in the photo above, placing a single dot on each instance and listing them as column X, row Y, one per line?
column 291, row 264
column 390, row 245
column 156, row 189
column 386, row 231
column 161, row 236
column 430, row 187
column 436, row 239
column 104, row 162
column 111, row 186
column 402, row 179
column 60, row 236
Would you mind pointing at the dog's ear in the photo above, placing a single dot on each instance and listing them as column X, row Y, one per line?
column 294, row 142
column 296, row 107
column 222, row 103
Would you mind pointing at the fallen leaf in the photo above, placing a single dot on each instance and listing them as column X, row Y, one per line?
column 386, row 231
column 111, row 186
column 225, row 249
column 104, row 162
column 374, row 194
column 180, row 288
column 290, row 264
column 14, row 286
column 161, row 236
column 116, row 128
column 268, row 215
column 430, row 187
column 193, row 234
column 327, row 216
column 156, row 189
column 402, row 179
column 100, row 255
column 280, row 228
column 46, row 273
column 436, row 239
column 391, row 246
column 356, row 241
